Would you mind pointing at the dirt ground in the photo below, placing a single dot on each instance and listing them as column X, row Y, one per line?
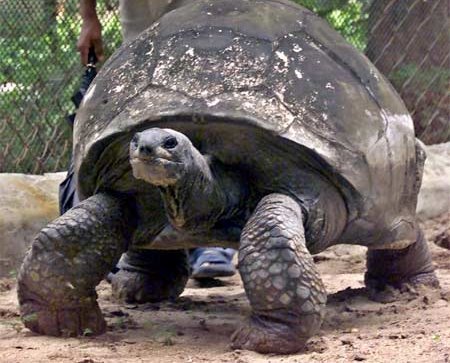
column 197, row 327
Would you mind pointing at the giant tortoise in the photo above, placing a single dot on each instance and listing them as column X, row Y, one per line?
column 239, row 123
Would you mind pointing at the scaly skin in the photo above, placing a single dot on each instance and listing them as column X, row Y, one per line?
column 68, row 258
column 280, row 280
column 150, row 276
column 395, row 274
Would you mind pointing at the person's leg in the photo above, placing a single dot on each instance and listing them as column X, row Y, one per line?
column 68, row 196
column 211, row 262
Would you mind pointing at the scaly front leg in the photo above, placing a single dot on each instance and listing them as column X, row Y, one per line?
column 284, row 288
column 68, row 258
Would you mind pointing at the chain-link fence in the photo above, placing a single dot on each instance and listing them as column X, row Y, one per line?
column 40, row 70
column 408, row 40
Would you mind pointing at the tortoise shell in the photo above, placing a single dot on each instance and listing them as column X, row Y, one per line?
column 265, row 86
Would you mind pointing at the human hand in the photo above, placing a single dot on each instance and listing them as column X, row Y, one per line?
column 90, row 36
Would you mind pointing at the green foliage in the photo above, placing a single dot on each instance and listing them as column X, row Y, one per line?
column 348, row 17
column 40, row 70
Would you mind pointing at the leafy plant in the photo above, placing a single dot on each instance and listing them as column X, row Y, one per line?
column 348, row 17
column 39, row 72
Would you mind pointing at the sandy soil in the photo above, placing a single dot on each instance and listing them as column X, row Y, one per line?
column 197, row 327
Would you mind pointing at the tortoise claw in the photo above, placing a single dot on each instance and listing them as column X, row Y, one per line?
column 85, row 320
column 426, row 284
column 267, row 338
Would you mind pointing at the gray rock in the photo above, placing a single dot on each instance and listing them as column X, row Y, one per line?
column 434, row 196
column 27, row 203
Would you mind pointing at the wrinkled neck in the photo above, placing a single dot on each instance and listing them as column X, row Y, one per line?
column 205, row 194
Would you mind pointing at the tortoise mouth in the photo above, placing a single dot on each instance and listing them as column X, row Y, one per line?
column 157, row 161
column 158, row 171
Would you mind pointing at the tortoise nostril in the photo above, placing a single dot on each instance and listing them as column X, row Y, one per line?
column 145, row 150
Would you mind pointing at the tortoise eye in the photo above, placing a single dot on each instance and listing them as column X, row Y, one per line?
column 170, row 143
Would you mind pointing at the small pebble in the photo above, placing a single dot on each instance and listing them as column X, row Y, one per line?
column 347, row 341
column 352, row 330
column 359, row 357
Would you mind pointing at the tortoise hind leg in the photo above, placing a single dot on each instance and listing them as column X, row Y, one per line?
column 68, row 258
column 395, row 274
column 150, row 275
column 281, row 282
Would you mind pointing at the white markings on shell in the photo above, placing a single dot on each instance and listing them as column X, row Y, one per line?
column 313, row 97
column 119, row 88
column 329, row 86
column 253, row 101
column 315, row 46
column 280, row 94
column 135, row 112
column 283, row 57
column 298, row 74
column 150, row 52
column 283, row 65
column 296, row 48
column 154, row 26
column 374, row 74
column 213, row 102
column 190, row 52
column 247, row 105
column 233, row 67
column 89, row 94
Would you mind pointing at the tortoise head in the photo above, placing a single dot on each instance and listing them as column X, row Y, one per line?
column 161, row 157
